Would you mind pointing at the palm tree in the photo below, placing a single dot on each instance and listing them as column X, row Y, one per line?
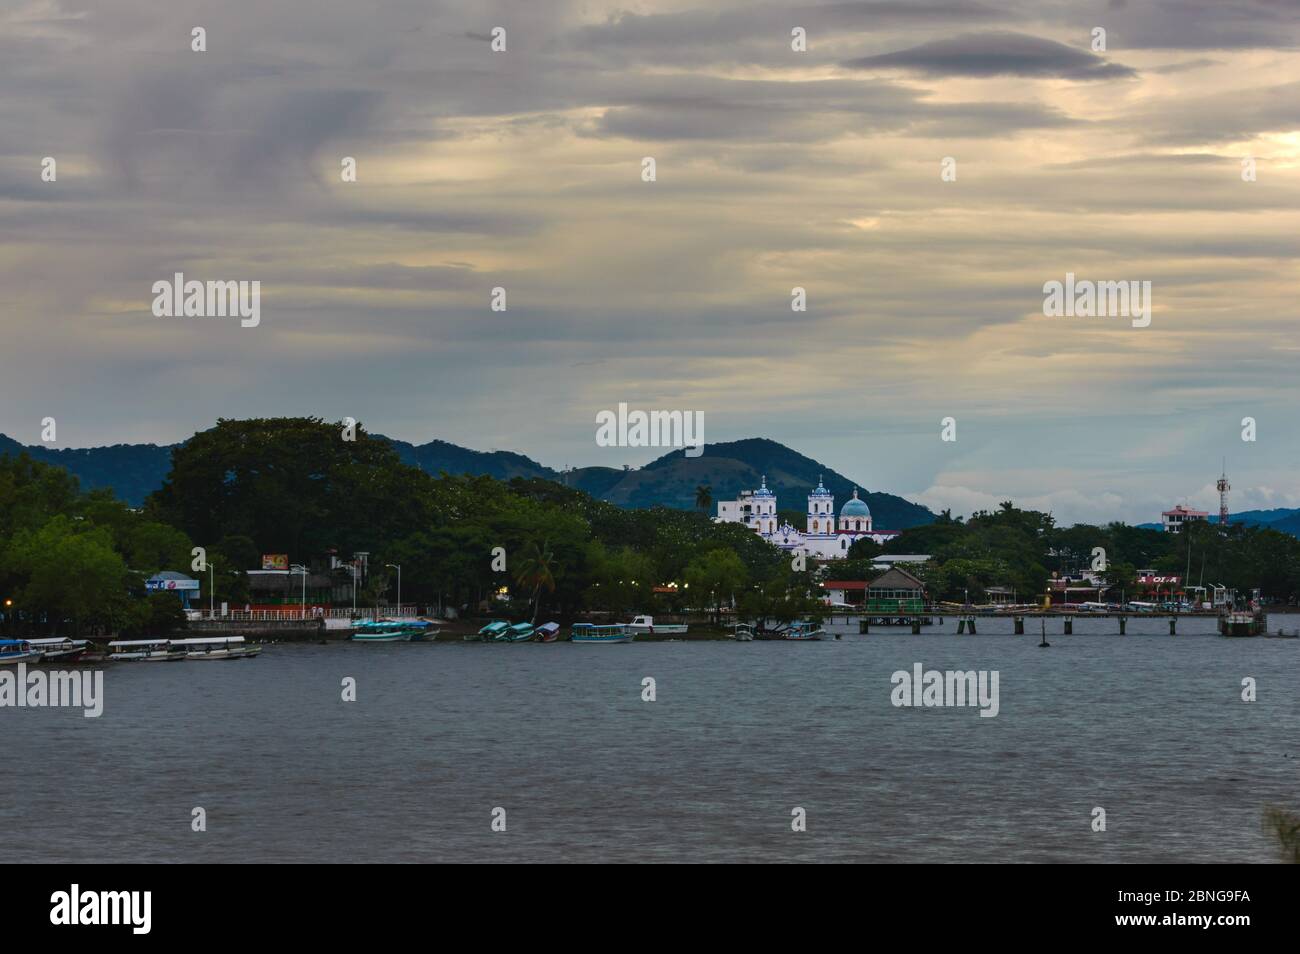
column 536, row 568
column 704, row 497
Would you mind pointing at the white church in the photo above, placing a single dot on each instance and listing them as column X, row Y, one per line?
column 821, row 537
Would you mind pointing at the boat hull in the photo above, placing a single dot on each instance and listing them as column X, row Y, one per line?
column 13, row 659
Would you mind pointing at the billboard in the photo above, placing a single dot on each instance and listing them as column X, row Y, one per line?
column 275, row 561
column 192, row 585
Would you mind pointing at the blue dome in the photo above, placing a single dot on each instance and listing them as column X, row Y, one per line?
column 821, row 490
column 763, row 491
column 855, row 507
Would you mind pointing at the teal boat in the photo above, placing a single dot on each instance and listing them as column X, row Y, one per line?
column 591, row 633
column 393, row 631
column 491, row 631
column 804, row 632
column 518, row 633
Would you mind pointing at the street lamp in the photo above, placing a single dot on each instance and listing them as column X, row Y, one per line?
column 398, row 568
column 212, row 592
column 299, row 568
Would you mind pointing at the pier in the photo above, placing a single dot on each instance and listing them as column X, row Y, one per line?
column 968, row 620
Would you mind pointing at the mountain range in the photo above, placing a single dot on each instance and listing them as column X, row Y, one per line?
column 133, row 471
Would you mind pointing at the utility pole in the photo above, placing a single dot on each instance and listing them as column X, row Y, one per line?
column 398, row 568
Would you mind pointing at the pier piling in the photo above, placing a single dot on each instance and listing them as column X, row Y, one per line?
column 970, row 625
column 1069, row 626
column 1123, row 622
column 916, row 627
column 1173, row 626
column 1020, row 626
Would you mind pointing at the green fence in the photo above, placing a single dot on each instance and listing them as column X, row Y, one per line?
column 895, row 605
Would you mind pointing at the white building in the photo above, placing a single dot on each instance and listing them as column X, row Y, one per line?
column 1173, row 520
column 821, row 536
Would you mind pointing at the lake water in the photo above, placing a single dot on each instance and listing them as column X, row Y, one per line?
column 1149, row 727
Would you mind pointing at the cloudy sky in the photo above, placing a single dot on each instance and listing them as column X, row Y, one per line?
column 775, row 169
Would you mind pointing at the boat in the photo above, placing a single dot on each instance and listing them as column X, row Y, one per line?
column 145, row 650
column 393, row 631
column 548, row 632
column 491, row 631
column 646, row 624
column 744, row 633
column 804, row 632
column 591, row 633
column 216, row 647
column 55, row 649
column 518, row 633
column 14, row 651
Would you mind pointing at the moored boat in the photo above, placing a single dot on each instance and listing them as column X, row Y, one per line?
column 548, row 632
column 518, row 633
column 145, row 650
column 56, row 649
column 491, row 631
column 393, row 631
column 216, row 647
column 804, row 632
column 14, row 651
column 647, row 625
column 591, row 633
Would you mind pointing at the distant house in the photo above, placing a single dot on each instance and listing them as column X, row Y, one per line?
column 1173, row 520
column 846, row 592
column 896, row 590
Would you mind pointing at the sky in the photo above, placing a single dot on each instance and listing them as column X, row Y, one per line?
column 774, row 168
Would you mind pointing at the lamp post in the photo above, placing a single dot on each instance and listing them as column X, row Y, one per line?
column 212, row 592
column 398, row 568
column 354, row 586
column 299, row 568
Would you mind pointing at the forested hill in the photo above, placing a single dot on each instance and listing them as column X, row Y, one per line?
column 134, row 471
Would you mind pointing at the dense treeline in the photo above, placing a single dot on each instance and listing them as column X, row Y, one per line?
column 77, row 561
column 1022, row 548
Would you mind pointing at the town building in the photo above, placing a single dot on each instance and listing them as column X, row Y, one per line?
column 823, row 537
column 1173, row 520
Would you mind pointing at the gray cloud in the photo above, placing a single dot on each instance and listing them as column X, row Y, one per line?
column 996, row 54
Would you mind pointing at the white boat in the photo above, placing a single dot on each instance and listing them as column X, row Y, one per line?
column 646, row 624
column 145, row 650
column 216, row 647
column 744, row 633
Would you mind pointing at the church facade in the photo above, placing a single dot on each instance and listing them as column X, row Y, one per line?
column 824, row 536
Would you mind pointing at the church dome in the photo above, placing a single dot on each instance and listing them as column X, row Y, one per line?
column 855, row 507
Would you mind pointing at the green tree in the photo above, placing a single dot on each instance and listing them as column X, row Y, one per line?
column 71, row 573
column 716, row 576
column 536, row 569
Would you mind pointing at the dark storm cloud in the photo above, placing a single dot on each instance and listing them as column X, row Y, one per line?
column 997, row 54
